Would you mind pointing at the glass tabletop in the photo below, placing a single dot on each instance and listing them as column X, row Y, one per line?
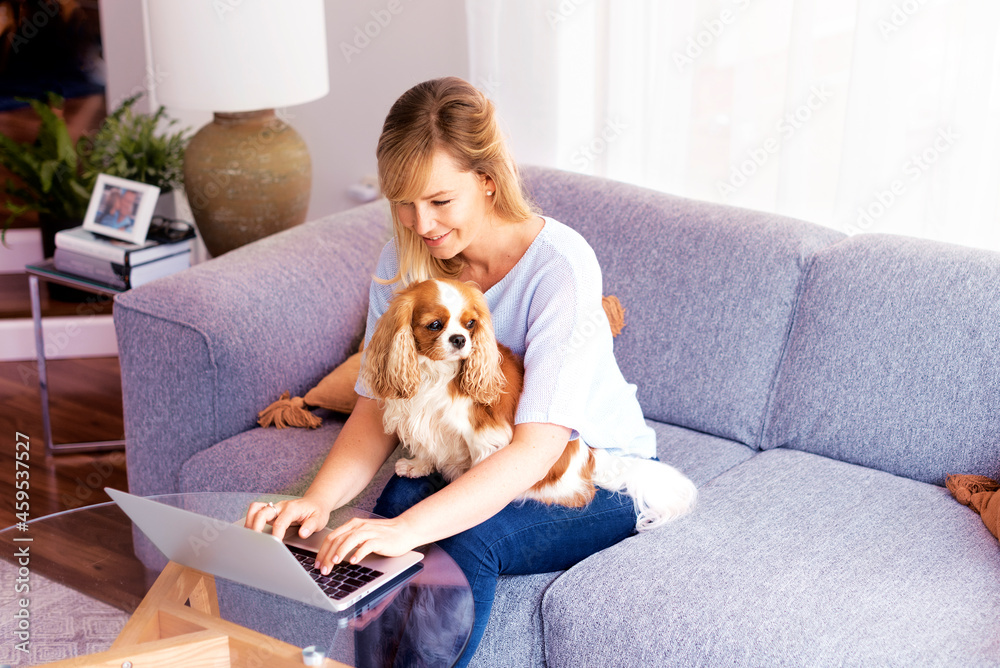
column 47, row 270
column 69, row 582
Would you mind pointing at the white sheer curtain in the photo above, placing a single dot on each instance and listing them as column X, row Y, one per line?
column 871, row 116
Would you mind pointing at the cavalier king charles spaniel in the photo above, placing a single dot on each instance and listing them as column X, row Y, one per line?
column 450, row 391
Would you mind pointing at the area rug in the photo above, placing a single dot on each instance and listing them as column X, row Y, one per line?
column 60, row 622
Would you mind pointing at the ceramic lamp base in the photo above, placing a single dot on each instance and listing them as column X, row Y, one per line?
column 246, row 175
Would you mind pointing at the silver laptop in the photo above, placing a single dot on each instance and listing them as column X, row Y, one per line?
column 259, row 560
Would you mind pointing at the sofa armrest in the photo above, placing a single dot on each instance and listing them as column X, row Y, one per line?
column 204, row 350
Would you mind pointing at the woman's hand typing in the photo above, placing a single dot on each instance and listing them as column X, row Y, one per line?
column 307, row 513
column 357, row 538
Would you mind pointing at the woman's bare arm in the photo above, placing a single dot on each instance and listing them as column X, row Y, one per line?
column 472, row 498
column 356, row 456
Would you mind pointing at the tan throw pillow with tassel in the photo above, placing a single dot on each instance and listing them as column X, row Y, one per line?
column 336, row 391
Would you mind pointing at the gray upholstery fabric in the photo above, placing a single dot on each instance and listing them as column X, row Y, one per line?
column 894, row 359
column 700, row 457
column 204, row 350
column 790, row 559
column 708, row 291
column 278, row 461
column 514, row 634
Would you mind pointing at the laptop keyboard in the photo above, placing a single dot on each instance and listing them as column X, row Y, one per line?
column 343, row 580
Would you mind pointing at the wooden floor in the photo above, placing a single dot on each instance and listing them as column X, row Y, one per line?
column 85, row 406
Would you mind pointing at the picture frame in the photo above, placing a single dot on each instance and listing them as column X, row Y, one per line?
column 121, row 209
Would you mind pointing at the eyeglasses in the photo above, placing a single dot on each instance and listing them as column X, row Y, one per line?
column 169, row 230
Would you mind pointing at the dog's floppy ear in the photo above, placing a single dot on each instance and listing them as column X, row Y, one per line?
column 390, row 368
column 482, row 379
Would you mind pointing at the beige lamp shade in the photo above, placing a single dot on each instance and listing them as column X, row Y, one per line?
column 234, row 56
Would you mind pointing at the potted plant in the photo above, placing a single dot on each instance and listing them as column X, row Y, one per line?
column 132, row 145
column 51, row 182
column 57, row 176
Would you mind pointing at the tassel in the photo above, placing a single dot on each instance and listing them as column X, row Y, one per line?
column 615, row 312
column 286, row 412
column 981, row 494
column 963, row 487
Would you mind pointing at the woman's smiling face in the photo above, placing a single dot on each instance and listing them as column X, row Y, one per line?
column 451, row 211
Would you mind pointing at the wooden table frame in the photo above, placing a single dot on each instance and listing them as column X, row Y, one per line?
column 178, row 624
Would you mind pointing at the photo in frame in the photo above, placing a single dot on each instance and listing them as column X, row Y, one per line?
column 121, row 209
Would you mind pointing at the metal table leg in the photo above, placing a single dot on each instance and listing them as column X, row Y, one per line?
column 43, row 381
column 43, row 386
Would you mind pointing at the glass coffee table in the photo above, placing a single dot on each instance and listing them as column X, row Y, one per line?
column 86, row 582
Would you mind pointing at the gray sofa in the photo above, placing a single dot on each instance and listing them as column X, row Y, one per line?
column 817, row 388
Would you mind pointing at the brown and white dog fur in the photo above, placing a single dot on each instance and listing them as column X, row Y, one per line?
column 450, row 392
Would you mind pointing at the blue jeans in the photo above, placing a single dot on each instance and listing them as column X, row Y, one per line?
column 525, row 537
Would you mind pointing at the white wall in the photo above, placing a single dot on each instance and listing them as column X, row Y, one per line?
column 376, row 50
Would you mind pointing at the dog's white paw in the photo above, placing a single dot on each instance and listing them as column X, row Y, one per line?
column 413, row 468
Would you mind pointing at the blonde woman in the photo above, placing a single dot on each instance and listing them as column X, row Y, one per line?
column 459, row 211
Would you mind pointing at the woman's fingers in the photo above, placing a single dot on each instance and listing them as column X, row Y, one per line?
column 261, row 514
column 338, row 544
column 354, row 540
column 284, row 517
column 358, row 538
column 284, row 514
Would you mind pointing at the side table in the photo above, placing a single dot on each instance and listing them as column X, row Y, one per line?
column 47, row 271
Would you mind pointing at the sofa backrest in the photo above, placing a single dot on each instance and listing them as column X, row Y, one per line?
column 708, row 291
column 893, row 360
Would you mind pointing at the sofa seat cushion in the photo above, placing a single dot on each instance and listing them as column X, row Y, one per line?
column 699, row 456
column 789, row 559
column 514, row 635
column 277, row 461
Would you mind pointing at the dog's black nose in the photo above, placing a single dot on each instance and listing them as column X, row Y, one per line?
column 457, row 340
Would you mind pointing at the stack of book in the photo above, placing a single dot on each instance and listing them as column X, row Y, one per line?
column 118, row 263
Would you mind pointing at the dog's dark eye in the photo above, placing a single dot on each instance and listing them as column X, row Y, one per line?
column 469, row 325
column 435, row 326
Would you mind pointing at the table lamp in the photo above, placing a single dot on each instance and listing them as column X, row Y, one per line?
column 247, row 174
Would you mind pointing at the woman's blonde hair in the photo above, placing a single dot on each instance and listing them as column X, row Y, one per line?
column 452, row 115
